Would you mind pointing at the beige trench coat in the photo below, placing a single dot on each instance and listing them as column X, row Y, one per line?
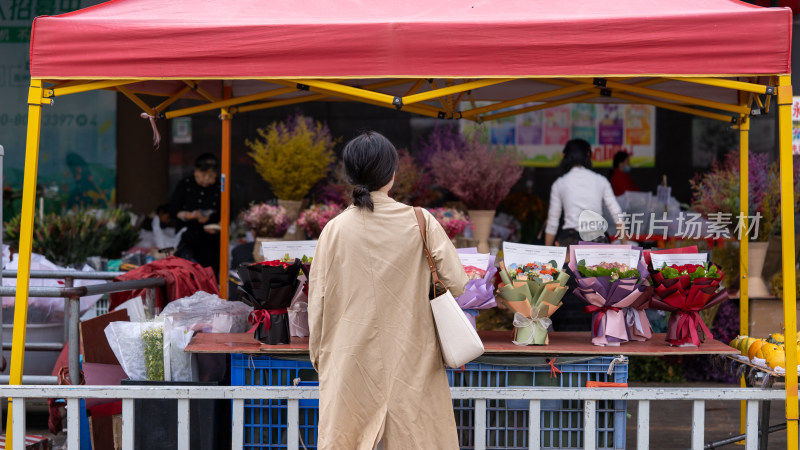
column 373, row 339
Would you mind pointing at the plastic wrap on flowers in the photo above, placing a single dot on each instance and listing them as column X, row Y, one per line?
column 479, row 291
column 533, row 299
column 684, row 296
column 298, row 310
column 270, row 287
column 616, row 292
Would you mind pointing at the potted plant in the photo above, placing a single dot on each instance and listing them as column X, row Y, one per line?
column 479, row 174
column 412, row 183
column 267, row 223
column 292, row 156
column 717, row 191
column 314, row 219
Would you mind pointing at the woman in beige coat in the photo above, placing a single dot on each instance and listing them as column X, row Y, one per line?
column 373, row 339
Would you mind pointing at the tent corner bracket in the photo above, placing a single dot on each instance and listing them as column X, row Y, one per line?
column 302, row 87
column 398, row 103
column 599, row 82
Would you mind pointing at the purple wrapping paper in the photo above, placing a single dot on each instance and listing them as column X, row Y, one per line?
column 478, row 294
column 615, row 305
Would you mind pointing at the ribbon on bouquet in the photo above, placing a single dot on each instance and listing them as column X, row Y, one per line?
column 263, row 316
column 632, row 319
column 521, row 321
column 687, row 325
column 601, row 310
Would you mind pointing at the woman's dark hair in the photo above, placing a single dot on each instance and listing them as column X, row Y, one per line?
column 370, row 161
column 206, row 161
column 619, row 158
column 577, row 152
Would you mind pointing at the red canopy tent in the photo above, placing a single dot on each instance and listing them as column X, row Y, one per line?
column 721, row 59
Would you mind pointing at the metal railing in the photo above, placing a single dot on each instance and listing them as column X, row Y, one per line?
column 238, row 395
column 72, row 295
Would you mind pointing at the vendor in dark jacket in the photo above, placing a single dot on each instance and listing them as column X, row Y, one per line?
column 195, row 205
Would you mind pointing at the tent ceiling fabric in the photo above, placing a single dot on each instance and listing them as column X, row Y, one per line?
column 251, row 39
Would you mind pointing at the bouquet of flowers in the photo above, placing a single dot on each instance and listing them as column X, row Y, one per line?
column 534, row 292
column 612, row 281
column 452, row 220
column 479, row 292
column 266, row 220
column 269, row 287
column 314, row 219
column 685, row 284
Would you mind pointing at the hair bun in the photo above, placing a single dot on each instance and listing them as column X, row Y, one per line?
column 361, row 196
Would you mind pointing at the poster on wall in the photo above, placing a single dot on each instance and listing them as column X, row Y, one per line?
column 77, row 153
column 540, row 135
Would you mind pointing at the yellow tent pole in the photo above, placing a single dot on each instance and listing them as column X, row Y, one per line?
column 135, row 99
column 225, row 196
column 527, row 99
column 61, row 91
column 228, row 102
column 455, row 89
column 565, row 101
column 730, row 84
column 326, row 87
column 196, row 86
column 173, row 98
column 744, row 240
column 676, row 97
column 276, row 103
column 673, row 107
column 787, row 239
column 25, row 243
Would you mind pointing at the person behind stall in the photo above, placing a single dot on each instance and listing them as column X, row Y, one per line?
column 621, row 180
column 195, row 205
column 372, row 335
column 578, row 189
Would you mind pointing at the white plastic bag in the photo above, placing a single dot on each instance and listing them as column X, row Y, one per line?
column 125, row 340
column 135, row 309
column 207, row 313
column 178, row 365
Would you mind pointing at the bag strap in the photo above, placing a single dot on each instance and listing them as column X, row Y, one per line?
column 431, row 262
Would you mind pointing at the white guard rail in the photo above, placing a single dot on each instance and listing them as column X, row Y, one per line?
column 238, row 394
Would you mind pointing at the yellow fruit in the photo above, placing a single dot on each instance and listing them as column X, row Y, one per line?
column 735, row 342
column 777, row 359
column 744, row 346
column 769, row 349
column 755, row 347
column 777, row 338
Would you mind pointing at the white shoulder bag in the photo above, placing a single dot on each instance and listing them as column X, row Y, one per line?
column 458, row 340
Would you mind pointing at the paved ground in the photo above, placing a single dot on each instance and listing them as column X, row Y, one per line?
column 670, row 423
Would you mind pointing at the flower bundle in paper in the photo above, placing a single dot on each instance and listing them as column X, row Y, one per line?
column 270, row 287
column 684, row 290
column 533, row 300
column 479, row 291
column 613, row 285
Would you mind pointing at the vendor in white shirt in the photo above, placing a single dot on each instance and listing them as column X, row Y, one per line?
column 577, row 189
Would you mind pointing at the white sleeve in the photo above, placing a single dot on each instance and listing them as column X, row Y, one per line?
column 610, row 200
column 554, row 212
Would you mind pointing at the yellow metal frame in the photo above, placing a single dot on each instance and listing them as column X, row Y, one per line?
column 416, row 100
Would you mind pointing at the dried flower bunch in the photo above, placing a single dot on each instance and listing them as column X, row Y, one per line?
column 412, row 183
column 153, row 339
column 477, row 173
column 452, row 220
column 293, row 155
column 314, row 219
column 266, row 220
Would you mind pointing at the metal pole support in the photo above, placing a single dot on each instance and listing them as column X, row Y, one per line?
column 68, row 283
column 74, row 340
column 151, row 302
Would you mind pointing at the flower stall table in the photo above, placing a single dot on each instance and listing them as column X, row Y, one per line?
column 569, row 361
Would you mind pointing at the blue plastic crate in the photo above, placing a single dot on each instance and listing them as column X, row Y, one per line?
column 265, row 420
column 507, row 421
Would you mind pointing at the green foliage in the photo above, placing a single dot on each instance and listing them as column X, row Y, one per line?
column 654, row 369
column 700, row 272
column 293, row 155
column 69, row 239
column 606, row 271
column 153, row 339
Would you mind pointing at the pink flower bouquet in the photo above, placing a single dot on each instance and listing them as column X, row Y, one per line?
column 479, row 292
column 314, row 219
column 452, row 220
column 266, row 220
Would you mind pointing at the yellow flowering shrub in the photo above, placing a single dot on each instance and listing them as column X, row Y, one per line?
column 292, row 156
